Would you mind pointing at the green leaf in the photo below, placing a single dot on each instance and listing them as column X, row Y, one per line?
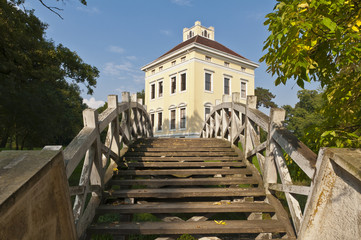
column 329, row 23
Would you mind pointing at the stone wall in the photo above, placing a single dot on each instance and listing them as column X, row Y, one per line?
column 34, row 196
column 334, row 208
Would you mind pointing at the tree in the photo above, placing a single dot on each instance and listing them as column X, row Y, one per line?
column 320, row 40
column 40, row 99
column 52, row 9
column 305, row 116
column 141, row 95
column 264, row 98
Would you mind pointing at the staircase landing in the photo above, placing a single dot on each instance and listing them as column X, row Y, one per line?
column 201, row 187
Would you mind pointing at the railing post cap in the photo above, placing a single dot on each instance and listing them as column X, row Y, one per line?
column 277, row 115
column 125, row 97
column 112, row 101
column 252, row 101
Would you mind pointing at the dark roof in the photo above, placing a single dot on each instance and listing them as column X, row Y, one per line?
column 206, row 42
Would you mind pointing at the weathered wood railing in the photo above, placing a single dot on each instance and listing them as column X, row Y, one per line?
column 242, row 123
column 124, row 122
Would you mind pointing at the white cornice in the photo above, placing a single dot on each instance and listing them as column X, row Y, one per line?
column 204, row 48
column 170, row 71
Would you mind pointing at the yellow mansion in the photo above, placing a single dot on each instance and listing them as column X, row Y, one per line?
column 182, row 85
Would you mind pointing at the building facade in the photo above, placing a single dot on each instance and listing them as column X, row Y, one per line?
column 182, row 85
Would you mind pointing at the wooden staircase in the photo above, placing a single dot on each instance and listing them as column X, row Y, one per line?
column 202, row 187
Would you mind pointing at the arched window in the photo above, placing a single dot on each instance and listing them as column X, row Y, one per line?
column 207, row 109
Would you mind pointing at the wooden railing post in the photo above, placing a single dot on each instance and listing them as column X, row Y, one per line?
column 277, row 116
column 235, row 122
column 250, row 104
column 113, row 140
column 125, row 123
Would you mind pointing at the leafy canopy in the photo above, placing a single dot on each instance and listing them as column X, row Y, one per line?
column 264, row 98
column 320, row 40
column 40, row 99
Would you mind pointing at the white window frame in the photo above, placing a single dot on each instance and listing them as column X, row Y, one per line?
column 158, row 82
column 230, row 84
column 211, row 73
column 172, row 108
column 208, row 58
column 243, row 81
column 173, row 63
column 155, row 90
column 162, row 125
column 183, row 59
column 185, row 116
column 152, row 113
column 226, row 64
column 170, row 81
column 180, row 81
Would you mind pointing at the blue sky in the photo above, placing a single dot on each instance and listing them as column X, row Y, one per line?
column 119, row 37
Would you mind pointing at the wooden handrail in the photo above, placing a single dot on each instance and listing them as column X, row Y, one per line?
column 242, row 123
column 126, row 121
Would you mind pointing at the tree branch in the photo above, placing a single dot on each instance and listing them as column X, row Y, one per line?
column 52, row 9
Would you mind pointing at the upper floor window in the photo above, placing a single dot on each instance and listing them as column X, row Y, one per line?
column 205, row 34
column 160, row 68
column 173, row 84
column 160, row 89
column 183, row 82
column 226, row 85
column 190, row 35
column 243, row 69
column 183, row 59
column 208, row 81
column 153, row 71
column 182, row 118
column 152, row 91
column 208, row 58
column 173, row 63
column 226, row 64
column 243, row 89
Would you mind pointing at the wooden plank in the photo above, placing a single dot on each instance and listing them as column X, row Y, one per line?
column 186, row 164
column 282, row 215
column 206, row 227
column 183, row 154
column 187, row 207
column 106, row 117
column 187, row 192
column 259, row 148
column 184, row 172
column 186, row 181
column 75, row 151
column 177, row 149
column 298, row 151
column 182, row 159
column 289, row 188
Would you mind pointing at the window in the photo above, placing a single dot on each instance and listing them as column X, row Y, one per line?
column 243, row 69
column 153, row 71
column 243, row 89
column 190, row 34
column 160, row 121
column 172, row 119
column 173, row 84
column 208, row 58
column 207, row 110
column 208, row 81
column 160, row 68
column 183, row 59
column 152, row 119
column 152, row 91
column 173, row 63
column 226, row 86
column 226, row 64
column 182, row 118
column 160, row 89
column 183, row 82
